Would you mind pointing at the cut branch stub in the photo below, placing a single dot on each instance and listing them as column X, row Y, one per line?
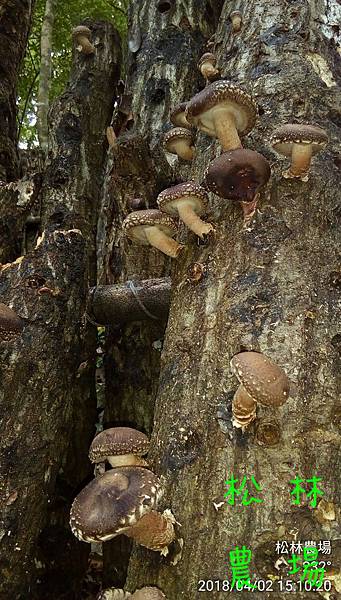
column 133, row 301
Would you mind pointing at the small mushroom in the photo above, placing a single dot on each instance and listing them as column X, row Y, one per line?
column 188, row 201
column 243, row 408
column 222, row 110
column 120, row 446
column 177, row 116
column 155, row 228
column 123, row 500
column 299, row 142
column 261, row 381
column 179, row 141
column 206, row 66
column 239, row 175
column 82, row 37
column 11, row 325
column 236, row 18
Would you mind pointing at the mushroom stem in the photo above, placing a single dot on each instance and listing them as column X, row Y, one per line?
column 226, row 131
column 126, row 460
column 84, row 45
column 249, row 209
column 162, row 242
column 300, row 161
column 154, row 531
column 193, row 222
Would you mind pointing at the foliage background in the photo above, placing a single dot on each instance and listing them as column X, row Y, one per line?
column 69, row 13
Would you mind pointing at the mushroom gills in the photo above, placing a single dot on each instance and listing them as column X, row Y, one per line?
column 154, row 531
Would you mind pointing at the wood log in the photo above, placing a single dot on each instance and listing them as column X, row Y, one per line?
column 117, row 305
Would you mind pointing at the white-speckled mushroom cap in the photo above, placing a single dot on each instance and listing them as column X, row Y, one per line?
column 285, row 136
column 10, row 324
column 113, row 594
column 135, row 223
column 114, row 502
column 190, row 192
column 265, row 381
column 221, row 97
column 117, row 441
column 178, row 133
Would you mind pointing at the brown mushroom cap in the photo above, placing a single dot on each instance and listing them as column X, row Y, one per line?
column 235, row 13
column 217, row 96
column 10, row 324
column 81, row 30
column 285, row 136
column 135, row 224
column 118, row 441
column 190, row 191
column 237, row 174
column 113, row 502
column 178, row 133
column 263, row 380
column 177, row 116
column 207, row 57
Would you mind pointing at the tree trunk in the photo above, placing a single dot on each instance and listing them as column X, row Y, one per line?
column 272, row 288
column 45, row 74
column 15, row 18
column 164, row 47
column 51, row 409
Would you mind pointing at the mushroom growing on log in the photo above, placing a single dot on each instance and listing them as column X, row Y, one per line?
column 123, row 500
column 299, row 142
column 223, row 110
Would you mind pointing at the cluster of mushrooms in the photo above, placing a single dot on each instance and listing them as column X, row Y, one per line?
column 123, row 500
column 224, row 111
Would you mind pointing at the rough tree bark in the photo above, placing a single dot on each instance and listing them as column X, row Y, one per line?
column 164, row 46
column 50, row 411
column 272, row 288
column 15, row 18
column 45, row 74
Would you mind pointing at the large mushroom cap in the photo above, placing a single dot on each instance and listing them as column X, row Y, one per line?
column 285, row 136
column 219, row 96
column 177, row 116
column 118, row 441
column 10, row 324
column 190, row 191
column 113, row 502
column 237, row 174
column 134, row 224
column 263, row 380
